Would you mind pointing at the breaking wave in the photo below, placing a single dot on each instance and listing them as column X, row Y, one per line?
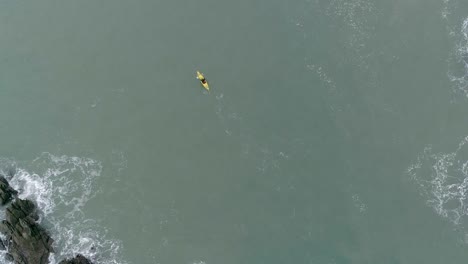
column 61, row 186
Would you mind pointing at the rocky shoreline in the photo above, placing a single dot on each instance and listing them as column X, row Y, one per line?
column 26, row 241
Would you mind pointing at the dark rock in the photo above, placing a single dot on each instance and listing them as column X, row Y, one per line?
column 5, row 227
column 26, row 241
column 6, row 192
column 79, row 259
column 29, row 243
column 20, row 209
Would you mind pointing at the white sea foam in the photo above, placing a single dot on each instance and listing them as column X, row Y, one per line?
column 458, row 63
column 361, row 206
column 61, row 186
column 355, row 16
column 443, row 181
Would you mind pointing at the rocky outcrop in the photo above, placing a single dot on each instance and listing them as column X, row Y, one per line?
column 27, row 241
column 6, row 192
column 79, row 259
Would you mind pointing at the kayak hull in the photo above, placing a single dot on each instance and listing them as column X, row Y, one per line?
column 205, row 84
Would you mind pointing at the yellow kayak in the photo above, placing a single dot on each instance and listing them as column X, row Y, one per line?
column 203, row 81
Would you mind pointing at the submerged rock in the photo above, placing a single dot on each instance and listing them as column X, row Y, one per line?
column 9, row 257
column 10, row 173
column 2, row 245
column 79, row 259
column 28, row 242
column 6, row 192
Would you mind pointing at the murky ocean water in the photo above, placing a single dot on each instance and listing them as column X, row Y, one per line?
column 334, row 132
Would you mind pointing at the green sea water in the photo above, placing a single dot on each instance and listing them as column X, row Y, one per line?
column 334, row 131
